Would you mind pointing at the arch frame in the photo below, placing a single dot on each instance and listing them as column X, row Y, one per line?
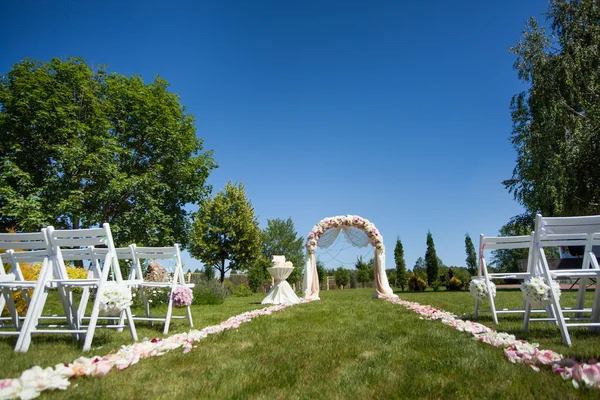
column 311, row 278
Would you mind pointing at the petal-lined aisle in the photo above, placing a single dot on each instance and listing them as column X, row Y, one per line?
column 517, row 351
column 36, row 380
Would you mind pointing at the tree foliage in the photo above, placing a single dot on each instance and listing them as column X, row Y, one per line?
column 431, row 261
column 365, row 271
column 342, row 277
column 471, row 255
column 420, row 268
column 280, row 238
column 401, row 274
column 225, row 231
column 556, row 121
column 81, row 146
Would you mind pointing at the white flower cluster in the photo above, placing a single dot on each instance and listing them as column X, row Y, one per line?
column 114, row 298
column 479, row 290
column 537, row 291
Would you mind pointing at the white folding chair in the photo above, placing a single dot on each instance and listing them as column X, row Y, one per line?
column 63, row 242
column 501, row 243
column 159, row 253
column 568, row 231
column 34, row 247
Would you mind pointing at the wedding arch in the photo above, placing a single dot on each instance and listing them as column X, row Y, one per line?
column 359, row 232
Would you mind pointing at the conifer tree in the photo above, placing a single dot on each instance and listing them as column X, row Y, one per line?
column 401, row 275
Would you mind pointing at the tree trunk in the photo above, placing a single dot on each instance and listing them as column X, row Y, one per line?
column 222, row 271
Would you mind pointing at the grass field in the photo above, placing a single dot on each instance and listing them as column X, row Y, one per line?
column 347, row 345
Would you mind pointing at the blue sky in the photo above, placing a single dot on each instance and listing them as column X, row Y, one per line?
column 395, row 111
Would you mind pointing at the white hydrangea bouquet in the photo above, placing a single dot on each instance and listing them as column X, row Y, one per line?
column 537, row 291
column 114, row 298
column 479, row 289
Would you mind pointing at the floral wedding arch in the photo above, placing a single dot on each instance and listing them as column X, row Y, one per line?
column 360, row 232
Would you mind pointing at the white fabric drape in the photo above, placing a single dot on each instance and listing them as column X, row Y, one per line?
column 281, row 292
column 382, row 286
column 354, row 236
column 311, row 278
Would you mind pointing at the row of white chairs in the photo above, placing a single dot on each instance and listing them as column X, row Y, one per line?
column 95, row 247
column 550, row 232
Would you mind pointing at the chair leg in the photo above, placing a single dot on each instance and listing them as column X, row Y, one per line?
column 526, row 316
column 476, row 313
column 132, row 329
column 189, row 315
column 493, row 308
column 168, row 317
column 581, row 296
column 91, row 328
column 596, row 309
column 146, row 305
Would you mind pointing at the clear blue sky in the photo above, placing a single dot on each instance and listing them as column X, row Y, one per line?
column 395, row 111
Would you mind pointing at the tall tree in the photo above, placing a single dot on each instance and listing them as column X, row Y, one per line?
column 420, row 269
column 556, row 121
column 280, row 238
column 321, row 272
column 81, row 146
column 471, row 255
column 342, row 277
column 363, row 271
column 225, row 231
column 431, row 261
column 401, row 275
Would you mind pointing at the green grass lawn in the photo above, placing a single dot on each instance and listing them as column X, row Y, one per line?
column 347, row 345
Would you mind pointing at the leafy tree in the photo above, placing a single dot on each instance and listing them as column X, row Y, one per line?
column 401, row 274
column 420, row 269
column 209, row 272
column 81, row 146
column 342, row 277
column 225, row 231
column 471, row 255
column 431, row 261
column 556, row 119
column 321, row 271
column 258, row 274
column 364, row 271
column 280, row 238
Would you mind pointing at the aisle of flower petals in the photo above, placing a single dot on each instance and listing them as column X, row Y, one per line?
column 36, row 380
column 517, row 351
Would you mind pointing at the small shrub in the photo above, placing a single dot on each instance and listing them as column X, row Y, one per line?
column 416, row 284
column 455, row 284
column 242, row 291
column 435, row 285
column 209, row 292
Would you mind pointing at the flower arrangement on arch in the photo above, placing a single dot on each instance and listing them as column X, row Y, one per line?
column 479, row 289
column 537, row 291
column 343, row 220
column 182, row 296
column 114, row 298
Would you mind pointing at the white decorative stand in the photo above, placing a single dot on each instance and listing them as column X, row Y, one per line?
column 281, row 292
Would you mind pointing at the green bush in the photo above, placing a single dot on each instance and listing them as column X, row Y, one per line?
column 242, row 291
column 435, row 285
column 209, row 292
column 455, row 284
column 416, row 284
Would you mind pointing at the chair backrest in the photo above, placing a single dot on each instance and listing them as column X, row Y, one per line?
column 567, row 231
column 36, row 243
column 502, row 243
column 122, row 253
column 63, row 240
column 158, row 253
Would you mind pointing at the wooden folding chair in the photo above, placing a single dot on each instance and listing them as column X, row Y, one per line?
column 568, row 231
